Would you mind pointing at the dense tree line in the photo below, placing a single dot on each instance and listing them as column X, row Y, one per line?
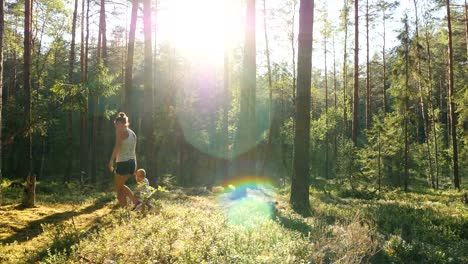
column 398, row 118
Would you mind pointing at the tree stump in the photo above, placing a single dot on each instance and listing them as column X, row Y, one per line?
column 29, row 194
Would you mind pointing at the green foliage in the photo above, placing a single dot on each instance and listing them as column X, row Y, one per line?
column 362, row 226
column 101, row 83
column 196, row 232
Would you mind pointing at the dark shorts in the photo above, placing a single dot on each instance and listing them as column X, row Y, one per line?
column 125, row 167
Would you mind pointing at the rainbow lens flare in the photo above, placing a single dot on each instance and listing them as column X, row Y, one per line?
column 248, row 201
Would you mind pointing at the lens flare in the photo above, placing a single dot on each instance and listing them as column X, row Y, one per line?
column 248, row 201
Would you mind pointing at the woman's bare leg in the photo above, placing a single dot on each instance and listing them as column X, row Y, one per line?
column 122, row 190
column 119, row 188
column 128, row 193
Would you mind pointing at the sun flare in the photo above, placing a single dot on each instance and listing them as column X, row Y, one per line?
column 201, row 29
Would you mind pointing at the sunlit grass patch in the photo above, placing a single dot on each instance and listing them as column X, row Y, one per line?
column 26, row 234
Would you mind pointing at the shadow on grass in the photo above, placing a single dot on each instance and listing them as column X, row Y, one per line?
column 65, row 242
column 295, row 225
column 34, row 228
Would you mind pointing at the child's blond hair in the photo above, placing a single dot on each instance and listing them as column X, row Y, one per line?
column 142, row 171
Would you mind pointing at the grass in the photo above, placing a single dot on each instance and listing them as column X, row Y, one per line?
column 201, row 227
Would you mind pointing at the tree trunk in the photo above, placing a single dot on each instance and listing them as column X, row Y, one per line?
column 28, row 197
column 71, row 65
column 269, row 147
column 406, row 110
column 226, row 107
column 2, row 23
column 148, row 118
column 345, row 69
column 103, row 29
column 129, row 64
column 384, row 66
column 95, row 101
column 466, row 29
column 335, row 105
column 434, row 181
column 368, row 90
column 379, row 160
column 356, row 73
column 294, row 77
column 326, row 104
column 421, row 94
column 300, row 181
column 86, row 41
column 247, row 119
column 451, row 97
column 293, row 49
column 84, row 110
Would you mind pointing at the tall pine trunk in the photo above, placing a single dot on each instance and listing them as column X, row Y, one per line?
column 335, row 105
column 71, row 65
column 345, row 69
column 451, row 97
column 84, row 110
column 384, row 66
column 129, row 64
column 368, row 89
column 247, row 119
column 2, row 23
column 432, row 116
column 326, row 104
column 356, row 73
column 466, row 28
column 422, row 96
column 95, row 102
column 148, row 117
column 406, row 110
column 300, row 181
column 269, row 147
column 29, row 194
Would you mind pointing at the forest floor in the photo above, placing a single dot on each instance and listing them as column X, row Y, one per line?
column 254, row 225
column 26, row 234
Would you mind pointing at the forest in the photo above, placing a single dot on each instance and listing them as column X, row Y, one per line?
column 271, row 131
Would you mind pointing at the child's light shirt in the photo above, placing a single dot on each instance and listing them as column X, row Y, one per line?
column 143, row 189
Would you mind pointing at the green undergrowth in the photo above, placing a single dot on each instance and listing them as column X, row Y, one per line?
column 346, row 226
column 198, row 231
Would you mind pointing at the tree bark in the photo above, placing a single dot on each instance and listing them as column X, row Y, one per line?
column 247, row 119
column 406, row 110
column 434, row 181
column 345, row 69
column 335, row 105
column 2, row 23
column 148, row 118
column 368, row 89
column 95, row 101
column 451, row 97
column 422, row 96
column 384, row 66
column 326, row 102
column 129, row 64
column 466, row 29
column 71, row 65
column 269, row 147
column 300, row 181
column 28, row 197
column 84, row 111
column 356, row 73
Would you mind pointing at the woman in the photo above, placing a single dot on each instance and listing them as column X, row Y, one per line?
column 124, row 155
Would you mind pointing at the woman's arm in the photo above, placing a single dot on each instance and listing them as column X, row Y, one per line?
column 116, row 151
